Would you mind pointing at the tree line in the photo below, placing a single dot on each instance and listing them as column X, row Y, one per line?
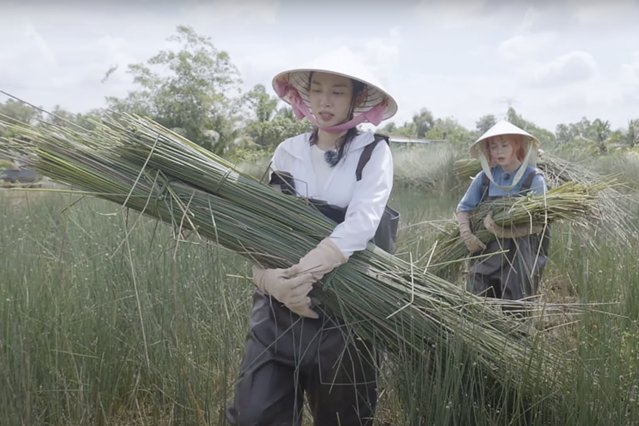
column 196, row 92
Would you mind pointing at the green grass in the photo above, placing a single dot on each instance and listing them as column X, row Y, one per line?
column 108, row 320
column 98, row 328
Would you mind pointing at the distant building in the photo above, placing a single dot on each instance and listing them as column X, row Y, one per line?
column 404, row 141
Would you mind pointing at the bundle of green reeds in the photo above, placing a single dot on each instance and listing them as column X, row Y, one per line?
column 610, row 202
column 573, row 202
column 139, row 164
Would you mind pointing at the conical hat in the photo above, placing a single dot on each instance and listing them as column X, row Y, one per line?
column 343, row 66
column 503, row 127
column 479, row 149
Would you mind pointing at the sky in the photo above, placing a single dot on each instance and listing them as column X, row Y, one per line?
column 553, row 61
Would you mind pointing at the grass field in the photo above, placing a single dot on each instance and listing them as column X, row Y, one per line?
column 112, row 319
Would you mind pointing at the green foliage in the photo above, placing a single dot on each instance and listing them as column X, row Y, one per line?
column 421, row 124
column 631, row 136
column 596, row 137
column 268, row 134
column 601, row 131
column 450, row 130
column 423, row 121
column 110, row 323
column 195, row 95
column 108, row 319
column 261, row 104
column 266, row 126
column 485, row 122
column 546, row 138
column 16, row 111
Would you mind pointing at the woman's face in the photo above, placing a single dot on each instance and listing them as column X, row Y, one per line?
column 502, row 150
column 331, row 98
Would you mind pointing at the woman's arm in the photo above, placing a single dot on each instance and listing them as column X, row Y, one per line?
column 366, row 208
column 472, row 197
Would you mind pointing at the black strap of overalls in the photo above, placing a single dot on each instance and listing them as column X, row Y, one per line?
column 366, row 154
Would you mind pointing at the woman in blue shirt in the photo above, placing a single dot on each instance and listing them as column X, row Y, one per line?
column 514, row 269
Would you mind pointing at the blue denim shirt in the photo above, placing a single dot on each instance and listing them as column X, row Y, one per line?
column 473, row 195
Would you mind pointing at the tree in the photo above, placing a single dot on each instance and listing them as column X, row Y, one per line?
column 450, row 130
column 16, row 112
column 389, row 129
column 407, row 130
column 632, row 134
column 563, row 134
column 544, row 136
column 602, row 133
column 13, row 111
column 266, row 126
column 516, row 119
column 60, row 117
column 268, row 134
column 286, row 111
column 423, row 122
column 262, row 105
column 582, row 129
column 194, row 96
column 485, row 122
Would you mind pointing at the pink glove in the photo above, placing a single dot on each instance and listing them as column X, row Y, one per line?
column 473, row 244
column 322, row 259
column 288, row 287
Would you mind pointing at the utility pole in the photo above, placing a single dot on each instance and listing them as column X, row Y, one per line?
column 509, row 101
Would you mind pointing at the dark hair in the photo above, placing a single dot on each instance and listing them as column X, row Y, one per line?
column 358, row 87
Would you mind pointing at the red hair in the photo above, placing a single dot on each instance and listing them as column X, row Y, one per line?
column 515, row 141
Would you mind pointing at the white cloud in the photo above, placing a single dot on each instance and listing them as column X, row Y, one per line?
column 382, row 55
column 605, row 14
column 453, row 15
column 630, row 72
column 629, row 78
column 260, row 61
column 566, row 70
column 236, row 12
column 439, row 54
column 28, row 59
column 524, row 47
column 465, row 98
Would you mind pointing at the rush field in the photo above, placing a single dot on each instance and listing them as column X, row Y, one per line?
column 109, row 318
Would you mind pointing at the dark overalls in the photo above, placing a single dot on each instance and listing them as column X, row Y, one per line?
column 286, row 356
column 513, row 275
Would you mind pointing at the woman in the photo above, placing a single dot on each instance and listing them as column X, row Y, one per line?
column 293, row 346
column 505, row 152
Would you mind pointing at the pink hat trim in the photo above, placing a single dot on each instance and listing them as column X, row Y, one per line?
column 374, row 115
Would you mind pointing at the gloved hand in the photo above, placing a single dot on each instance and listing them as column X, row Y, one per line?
column 322, row 259
column 473, row 244
column 513, row 231
column 287, row 286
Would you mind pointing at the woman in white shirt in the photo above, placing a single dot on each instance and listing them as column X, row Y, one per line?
column 294, row 347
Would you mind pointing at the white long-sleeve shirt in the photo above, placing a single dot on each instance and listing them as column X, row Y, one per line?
column 366, row 199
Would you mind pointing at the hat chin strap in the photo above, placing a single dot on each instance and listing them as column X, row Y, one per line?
column 522, row 169
column 374, row 115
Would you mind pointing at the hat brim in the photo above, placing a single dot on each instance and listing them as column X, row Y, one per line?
column 530, row 141
column 300, row 79
column 502, row 128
